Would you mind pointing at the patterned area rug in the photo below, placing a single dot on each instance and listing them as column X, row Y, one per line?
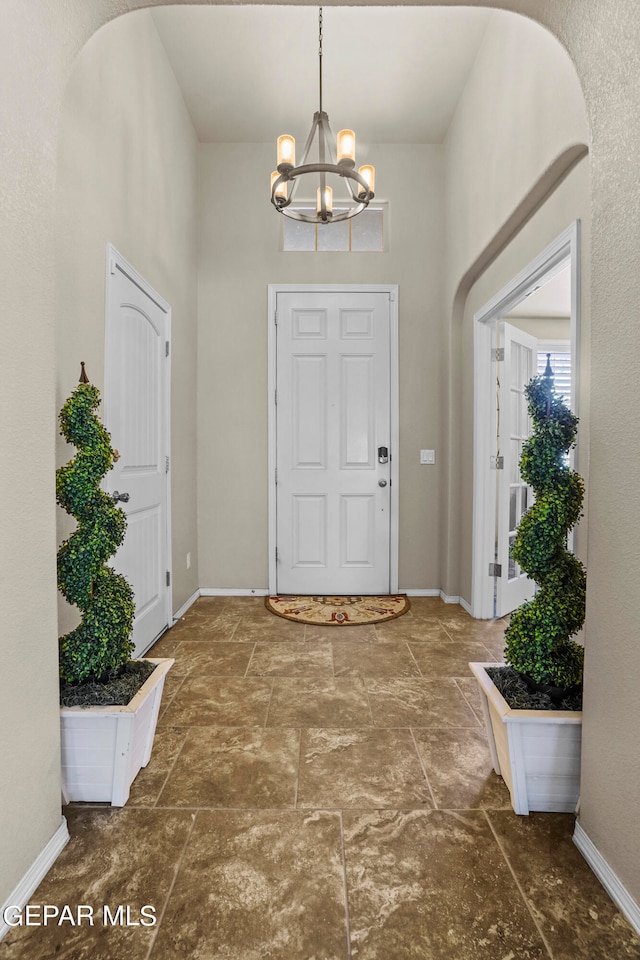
column 338, row 611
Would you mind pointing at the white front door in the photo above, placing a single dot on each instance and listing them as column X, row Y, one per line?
column 137, row 417
column 333, row 454
column 514, row 496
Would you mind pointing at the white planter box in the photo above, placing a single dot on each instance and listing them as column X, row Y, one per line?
column 536, row 752
column 103, row 748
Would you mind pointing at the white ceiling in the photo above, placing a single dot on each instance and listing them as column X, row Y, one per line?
column 553, row 299
column 249, row 73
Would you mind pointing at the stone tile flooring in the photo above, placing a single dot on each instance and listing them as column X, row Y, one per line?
column 323, row 794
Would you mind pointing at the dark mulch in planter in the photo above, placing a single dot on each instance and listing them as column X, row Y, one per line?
column 510, row 684
column 117, row 692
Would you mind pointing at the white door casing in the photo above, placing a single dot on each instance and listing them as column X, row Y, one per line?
column 513, row 586
column 333, row 522
column 137, row 415
column 554, row 258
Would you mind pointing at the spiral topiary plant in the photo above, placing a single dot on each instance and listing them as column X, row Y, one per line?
column 99, row 648
column 538, row 638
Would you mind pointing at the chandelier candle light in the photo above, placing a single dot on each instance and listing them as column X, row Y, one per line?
column 338, row 160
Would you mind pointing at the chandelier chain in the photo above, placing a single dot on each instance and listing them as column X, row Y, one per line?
column 320, row 53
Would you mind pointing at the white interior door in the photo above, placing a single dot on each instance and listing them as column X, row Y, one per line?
column 137, row 417
column 332, row 421
column 514, row 496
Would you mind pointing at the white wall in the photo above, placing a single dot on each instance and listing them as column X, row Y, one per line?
column 239, row 255
column 127, row 174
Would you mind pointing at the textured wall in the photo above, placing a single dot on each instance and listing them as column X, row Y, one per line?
column 37, row 48
column 33, row 63
column 606, row 52
column 238, row 256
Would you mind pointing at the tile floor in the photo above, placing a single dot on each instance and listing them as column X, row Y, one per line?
column 323, row 794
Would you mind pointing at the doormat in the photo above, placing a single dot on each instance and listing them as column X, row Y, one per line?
column 338, row 611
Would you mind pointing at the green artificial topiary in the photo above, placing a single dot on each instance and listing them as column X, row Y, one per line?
column 538, row 638
column 101, row 645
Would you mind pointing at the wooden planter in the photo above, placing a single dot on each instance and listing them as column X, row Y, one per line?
column 536, row 752
column 103, row 748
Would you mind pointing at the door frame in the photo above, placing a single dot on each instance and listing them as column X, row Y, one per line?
column 392, row 290
column 116, row 262
column 565, row 249
column 510, row 592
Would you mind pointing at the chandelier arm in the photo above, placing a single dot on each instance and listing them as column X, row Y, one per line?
column 354, row 193
column 294, row 187
column 324, row 216
column 310, row 138
column 330, row 140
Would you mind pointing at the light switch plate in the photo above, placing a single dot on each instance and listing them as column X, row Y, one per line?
column 427, row 456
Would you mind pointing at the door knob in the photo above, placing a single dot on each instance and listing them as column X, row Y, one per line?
column 382, row 483
column 115, row 496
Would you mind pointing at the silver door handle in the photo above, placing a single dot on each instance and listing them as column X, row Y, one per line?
column 382, row 483
column 115, row 496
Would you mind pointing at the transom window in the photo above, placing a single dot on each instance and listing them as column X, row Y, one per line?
column 361, row 234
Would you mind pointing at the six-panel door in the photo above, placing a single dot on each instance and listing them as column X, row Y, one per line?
column 333, row 415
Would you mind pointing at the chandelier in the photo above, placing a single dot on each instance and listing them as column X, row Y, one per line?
column 333, row 159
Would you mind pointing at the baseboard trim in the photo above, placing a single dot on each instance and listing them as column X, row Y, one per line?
column 614, row 887
column 185, row 606
column 465, row 606
column 36, row 873
column 448, row 599
column 420, row 593
column 261, row 592
column 233, row 592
